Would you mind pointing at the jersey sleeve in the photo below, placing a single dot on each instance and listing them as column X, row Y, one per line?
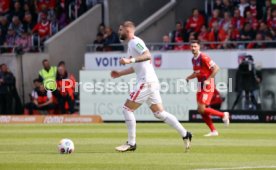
column 35, row 95
column 208, row 61
column 49, row 94
column 140, row 47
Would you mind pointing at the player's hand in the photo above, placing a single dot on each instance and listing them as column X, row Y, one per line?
column 207, row 82
column 115, row 74
column 125, row 61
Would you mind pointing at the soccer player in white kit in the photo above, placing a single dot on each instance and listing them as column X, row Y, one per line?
column 147, row 88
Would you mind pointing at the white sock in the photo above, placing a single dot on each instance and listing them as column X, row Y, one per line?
column 131, row 125
column 172, row 121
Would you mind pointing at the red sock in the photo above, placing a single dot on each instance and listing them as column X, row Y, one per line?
column 211, row 111
column 207, row 119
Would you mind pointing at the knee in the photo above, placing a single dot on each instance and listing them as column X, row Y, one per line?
column 128, row 114
column 160, row 115
column 127, row 109
column 200, row 110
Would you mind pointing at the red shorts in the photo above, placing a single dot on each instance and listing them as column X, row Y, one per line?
column 206, row 93
column 204, row 97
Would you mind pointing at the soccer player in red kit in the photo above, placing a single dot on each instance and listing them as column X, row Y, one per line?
column 205, row 70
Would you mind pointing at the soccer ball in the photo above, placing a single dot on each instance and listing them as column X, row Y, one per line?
column 66, row 146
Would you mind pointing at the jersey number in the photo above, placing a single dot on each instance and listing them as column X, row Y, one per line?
column 205, row 97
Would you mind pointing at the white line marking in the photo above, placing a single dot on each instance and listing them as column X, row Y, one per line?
column 244, row 167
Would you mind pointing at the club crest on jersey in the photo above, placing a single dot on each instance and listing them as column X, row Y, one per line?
column 157, row 60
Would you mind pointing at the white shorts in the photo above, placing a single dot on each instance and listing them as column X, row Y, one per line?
column 146, row 92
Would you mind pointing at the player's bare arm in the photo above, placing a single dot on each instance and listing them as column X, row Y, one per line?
column 35, row 102
column 192, row 76
column 144, row 57
column 215, row 70
column 116, row 74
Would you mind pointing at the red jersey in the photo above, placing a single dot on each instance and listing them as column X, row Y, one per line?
column 203, row 36
column 4, row 6
column 253, row 10
column 48, row 3
column 195, row 23
column 272, row 23
column 42, row 97
column 212, row 20
column 178, row 40
column 234, row 34
column 254, row 22
column 43, row 29
column 238, row 22
column 202, row 66
column 221, row 36
column 70, row 86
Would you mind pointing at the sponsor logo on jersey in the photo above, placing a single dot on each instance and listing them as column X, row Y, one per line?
column 140, row 47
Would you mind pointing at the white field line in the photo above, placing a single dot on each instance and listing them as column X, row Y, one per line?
column 243, row 167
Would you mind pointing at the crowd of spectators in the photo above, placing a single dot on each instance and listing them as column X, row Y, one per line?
column 28, row 23
column 106, row 38
column 230, row 20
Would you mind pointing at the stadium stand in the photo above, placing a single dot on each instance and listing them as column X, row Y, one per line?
column 28, row 24
column 230, row 21
column 227, row 21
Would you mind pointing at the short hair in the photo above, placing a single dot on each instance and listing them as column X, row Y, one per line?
column 101, row 25
column 36, row 80
column 179, row 22
column 128, row 24
column 61, row 63
column 45, row 60
column 195, row 42
column 195, row 9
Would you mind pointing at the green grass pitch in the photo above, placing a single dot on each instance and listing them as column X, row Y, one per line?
column 240, row 146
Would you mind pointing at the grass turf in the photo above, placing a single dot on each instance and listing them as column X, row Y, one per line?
column 27, row 147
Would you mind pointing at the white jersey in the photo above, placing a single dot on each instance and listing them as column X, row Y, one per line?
column 144, row 70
